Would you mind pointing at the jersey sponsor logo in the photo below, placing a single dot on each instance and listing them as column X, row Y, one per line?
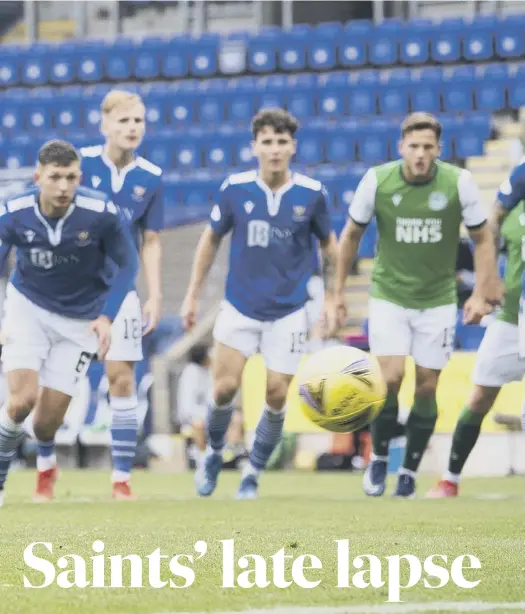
column 127, row 212
column 215, row 214
column 437, row 201
column 416, row 230
column 396, row 199
column 261, row 234
column 95, row 181
column 29, row 235
column 248, row 206
column 46, row 259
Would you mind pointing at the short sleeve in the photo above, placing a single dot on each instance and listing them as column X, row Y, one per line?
column 321, row 223
column 154, row 218
column 472, row 209
column 221, row 216
column 362, row 207
column 512, row 190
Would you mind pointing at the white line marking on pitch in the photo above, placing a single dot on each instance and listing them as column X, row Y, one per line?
column 383, row 608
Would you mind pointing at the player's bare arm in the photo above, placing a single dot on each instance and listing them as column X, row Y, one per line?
column 329, row 254
column 346, row 254
column 205, row 255
column 151, row 261
column 496, row 219
column 489, row 288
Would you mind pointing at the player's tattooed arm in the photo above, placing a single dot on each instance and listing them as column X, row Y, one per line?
column 329, row 253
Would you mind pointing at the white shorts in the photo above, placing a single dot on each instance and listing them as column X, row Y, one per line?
column 425, row 334
column 281, row 343
column 126, row 331
column 498, row 361
column 60, row 349
column 314, row 307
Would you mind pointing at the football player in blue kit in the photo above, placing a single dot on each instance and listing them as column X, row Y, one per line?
column 72, row 247
column 276, row 217
column 135, row 186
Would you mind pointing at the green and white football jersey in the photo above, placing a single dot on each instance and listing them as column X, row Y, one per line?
column 513, row 233
column 418, row 229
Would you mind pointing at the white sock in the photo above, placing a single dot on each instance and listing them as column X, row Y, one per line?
column 120, row 476
column 451, row 477
column 404, row 471
column 45, row 463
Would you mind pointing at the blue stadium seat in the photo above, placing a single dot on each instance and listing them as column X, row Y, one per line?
column 425, row 98
column 490, row 96
column 210, row 108
column 35, row 66
column 352, row 50
column 478, row 45
column 445, row 48
column 383, row 50
column 332, row 101
column 156, row 110
column 340, row 145
column 147, row 60
column 457, row 97
column 181, row 109
column 90, row 62
column 516, row 94
column 479, row 122
column 373, row 149
column 431, row 74
column 240, row 106
column 188, row 154
column 68, row 115
column 510, row 42
column 203, row 57
column 321, row 53
column 63, row 63
column 362, row 100
column 301, row 96
column 120, row 59
column 415, row 44
column 310, row 148
column 262, row 56
column 160, row 150
column 9, row 66
column 174, row 64
column 469, row 143
column 91, row 115
column 11, row 118
column 242, row 150
column 292, row 53
column 447, row 141
column 393, row 100
column 218, row 153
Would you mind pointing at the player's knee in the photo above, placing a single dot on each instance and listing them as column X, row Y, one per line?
column 224, row 390
column 393, row 381
column 276, row 393
column 481, row 400
column 46, row 428
column 426, row 389
column 121, row 383
column 21, row 404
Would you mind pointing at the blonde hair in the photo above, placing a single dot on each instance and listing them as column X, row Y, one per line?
column 117, row 98
column 421, row 121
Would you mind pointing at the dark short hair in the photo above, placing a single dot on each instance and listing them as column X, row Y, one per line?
column 278, row 119
column 421, row 121
column 199, row 353
column 57, row 152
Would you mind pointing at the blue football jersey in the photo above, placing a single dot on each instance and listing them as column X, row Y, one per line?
column 136, row 189
column 512, row 190
column 273, row 241
column 66, row 265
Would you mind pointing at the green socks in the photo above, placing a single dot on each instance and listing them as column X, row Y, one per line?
column 384, row 427
column 464, row 439
column 419, row 428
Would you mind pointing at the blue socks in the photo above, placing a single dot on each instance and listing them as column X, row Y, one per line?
column 217, row 424
column 124, row 435
column 11, row 436
column 267, row 435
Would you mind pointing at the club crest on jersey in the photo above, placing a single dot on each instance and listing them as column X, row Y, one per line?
column 83, row 238
column 138, row 193
column 29, row 235
column 248, row 206
column 396, row 199
column 95, row 181
column 437, row 201
column 299, row 213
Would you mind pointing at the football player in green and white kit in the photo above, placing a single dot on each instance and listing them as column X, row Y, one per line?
column 501, row 355
column 419, row 203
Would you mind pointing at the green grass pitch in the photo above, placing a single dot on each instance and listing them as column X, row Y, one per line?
column 303, row 513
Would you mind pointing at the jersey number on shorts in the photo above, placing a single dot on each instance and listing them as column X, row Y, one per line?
column 448, row 338
column 131, row 328
column 258, row 233
column 83, row 362
column 298, row 341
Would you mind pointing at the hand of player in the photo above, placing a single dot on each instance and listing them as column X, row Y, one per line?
column 102, row 329
column 475, row 309
column 330, row 324
column 341, row 309
column 151, row 314
column 188, row 312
